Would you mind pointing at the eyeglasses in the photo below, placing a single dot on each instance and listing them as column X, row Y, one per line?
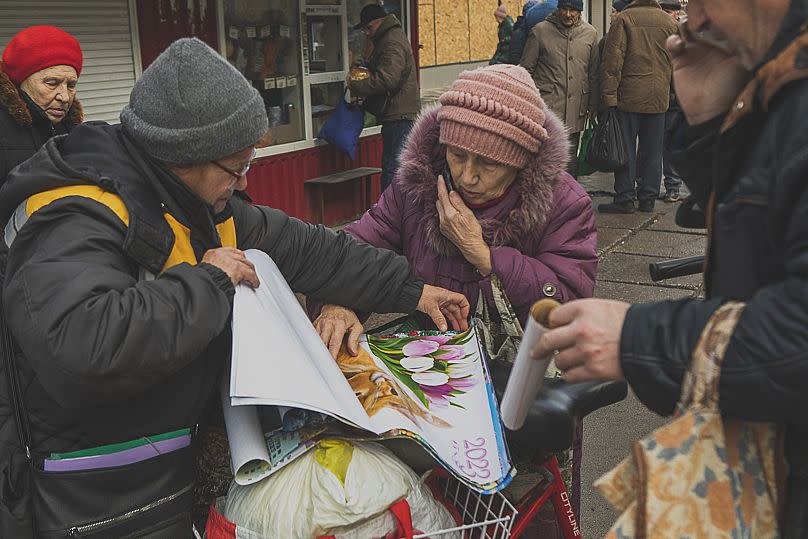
column 238, row 174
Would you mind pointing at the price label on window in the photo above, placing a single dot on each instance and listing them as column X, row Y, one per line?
column 284, row 31
column 291, row 81
column 233, row 32
column 250, row 31
column 269, row 83
column 280, row 82
column 266, row 31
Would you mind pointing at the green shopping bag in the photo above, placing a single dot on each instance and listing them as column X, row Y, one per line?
column 584, row 168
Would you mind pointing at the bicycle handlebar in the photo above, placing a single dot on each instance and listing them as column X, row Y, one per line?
column 678, row 267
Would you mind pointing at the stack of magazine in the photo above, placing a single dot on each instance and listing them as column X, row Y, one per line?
column 431, row 387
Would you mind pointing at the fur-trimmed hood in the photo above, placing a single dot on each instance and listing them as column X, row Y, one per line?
column 423, row 158
column 12, row 101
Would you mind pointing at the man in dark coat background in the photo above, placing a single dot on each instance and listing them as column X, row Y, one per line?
column 635, row 81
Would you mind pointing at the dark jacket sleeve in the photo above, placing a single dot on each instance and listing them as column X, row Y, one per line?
column 517, row 44
column 530, row 53
column 611, row 64
column 329, row 266
column 388, row 71
column 89, row 329
column 593, row 73
column 767, row 357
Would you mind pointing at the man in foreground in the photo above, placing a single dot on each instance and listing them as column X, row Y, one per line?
column 123, row 247
column 741, row 80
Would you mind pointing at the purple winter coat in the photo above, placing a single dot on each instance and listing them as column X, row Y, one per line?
column 542, row 233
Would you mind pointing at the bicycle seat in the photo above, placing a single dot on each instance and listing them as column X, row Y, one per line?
column 551, row 421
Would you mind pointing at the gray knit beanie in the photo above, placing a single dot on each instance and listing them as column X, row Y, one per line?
column 191, row 106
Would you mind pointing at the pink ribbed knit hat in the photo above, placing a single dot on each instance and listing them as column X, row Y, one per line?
column 494, row 111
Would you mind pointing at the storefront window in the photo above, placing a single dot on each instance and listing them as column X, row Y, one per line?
column 263, row 43
column 297, row 54
column 325, row 44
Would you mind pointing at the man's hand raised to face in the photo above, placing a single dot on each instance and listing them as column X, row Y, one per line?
column 707, row 78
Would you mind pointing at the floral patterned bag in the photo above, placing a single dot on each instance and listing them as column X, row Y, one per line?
column 700, row 475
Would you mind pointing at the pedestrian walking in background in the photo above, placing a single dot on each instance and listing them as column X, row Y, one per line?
column 635, row 79
column 393, row 79
column 504, row 31
column 671, row 178
column 38, row 76
column 519, row 34
column 561, row 54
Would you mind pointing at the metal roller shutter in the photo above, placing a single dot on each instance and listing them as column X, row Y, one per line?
column 103, row 29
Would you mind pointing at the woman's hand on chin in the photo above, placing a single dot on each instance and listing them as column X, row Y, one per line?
column 459, row 224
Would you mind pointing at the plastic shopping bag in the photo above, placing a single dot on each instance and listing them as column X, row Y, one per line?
column 343, row 127
column 338, row 490
column 606, row 151
column 583, row 167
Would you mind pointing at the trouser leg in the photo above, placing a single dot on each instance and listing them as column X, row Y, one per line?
column 624, row 178
column 651, row 134
column 575, row 140
column 673, row 182
column 394, row 135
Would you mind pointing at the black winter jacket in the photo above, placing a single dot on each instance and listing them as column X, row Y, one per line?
column 758, row 254
column 518, row 39
column 106, row 354
column 24, row 128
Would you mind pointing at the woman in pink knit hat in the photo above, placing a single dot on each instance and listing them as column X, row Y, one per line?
column 513, row 228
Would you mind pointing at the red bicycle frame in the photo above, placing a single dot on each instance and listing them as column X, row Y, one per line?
column 551, row 487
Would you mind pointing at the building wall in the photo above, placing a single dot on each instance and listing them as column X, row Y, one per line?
column 464, row 31
column 458, row 31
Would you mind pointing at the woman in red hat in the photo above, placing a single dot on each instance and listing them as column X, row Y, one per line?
column 38, row 75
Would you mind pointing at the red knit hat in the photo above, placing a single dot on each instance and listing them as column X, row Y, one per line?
column 39, row 47
column 494, row 111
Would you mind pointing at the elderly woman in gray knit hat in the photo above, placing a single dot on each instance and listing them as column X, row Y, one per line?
column 124, row 245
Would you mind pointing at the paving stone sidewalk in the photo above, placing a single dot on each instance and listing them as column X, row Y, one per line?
column 626, row 245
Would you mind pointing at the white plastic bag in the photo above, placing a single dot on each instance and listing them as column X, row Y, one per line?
column 338, row 488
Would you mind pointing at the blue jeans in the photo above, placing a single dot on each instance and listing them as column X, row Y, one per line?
column 650, row 129
column 671, row 178
column 394, row 135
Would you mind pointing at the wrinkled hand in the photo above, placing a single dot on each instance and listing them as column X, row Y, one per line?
column 235, row 264
column 441, row 304
column 332, row 325
column 707, row 79
column 459, row 224
column 586, row 335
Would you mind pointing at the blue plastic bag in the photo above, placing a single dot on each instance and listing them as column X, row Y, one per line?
column 343, row 127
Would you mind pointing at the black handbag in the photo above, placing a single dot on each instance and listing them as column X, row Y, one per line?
column 606, row 152
column 148, row 499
